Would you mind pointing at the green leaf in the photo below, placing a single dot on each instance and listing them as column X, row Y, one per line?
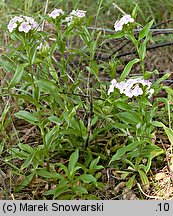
column 168, row 90
column 17, row 75
column 135, row 10
column 122, row 105
column 63, row 167
column 60, row 189
column 29, row 117
column 130, row 182
column 25, row 182
column 115, row 36
column 90, row 197
column 26, row 147
column 51, row 136
column 88, row 178
column 32, row 53
column 124, row 174
column 2, row 144
column 146, row 29
column 151, row 151
column 9, row 66
column 4, row 114
column 169, row 133
column 46, row 174
column 148, row 74
column 143, row 177
column 158, row 124
column 142, row 50
column 132, row 38
column 27, row 98
column 120, row 152
column 94, row 163
column 133, row 145
column 51, row 88
column 80, row 189
column 164, row 77
column 55, row 119
column 18, row 37
column 73, row 160
column 129, row 118
column 47, row 85
column 147, row 167
column 129, row 162
column 28, row 160
column 73, row 172
column 127, row 69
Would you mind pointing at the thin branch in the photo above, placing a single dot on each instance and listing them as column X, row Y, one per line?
column 134, row 52
column 82, row 95
column 151, row 197
column 135, row 30
column 45, row 11
column 120, row 48
column 117, row 7
column 163, row 23
column 90, row 114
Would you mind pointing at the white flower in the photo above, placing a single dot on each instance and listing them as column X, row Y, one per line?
column 151, row 92
column 112, row 86
column 74, row 14
column 11, row 26
column 145, row 82
column 23, row 24
column 121, row 86
column 69, row 20
column 114, row 82
column 137, row 91
column 29, row 20
column 24, row 27
column 35, row 25
column 126, row 19
column 138, row 125
column 17, row 19
column 129, row 93
column 40, row 46
column 132, row 87
column 111, row 89
column 118, row 25
column 78, row 13
column 56, row 13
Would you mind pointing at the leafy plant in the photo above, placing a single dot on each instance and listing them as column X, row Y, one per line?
column 73, row 108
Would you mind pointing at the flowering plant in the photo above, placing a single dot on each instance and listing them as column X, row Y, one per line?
column 22, row 24
column 125, row 20
column 56, row 13
column 75, row 15
column 133, row 107
column 73, row 108
column 132, row 87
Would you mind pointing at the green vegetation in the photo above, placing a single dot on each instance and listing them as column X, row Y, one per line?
column 76, row 114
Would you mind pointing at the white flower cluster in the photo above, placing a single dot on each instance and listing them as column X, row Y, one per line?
column 132, row 87
column 22, row 24
column 75, row 14
column 56, row 13
column 118, row 25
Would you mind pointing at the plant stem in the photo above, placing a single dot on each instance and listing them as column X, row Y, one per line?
column 46, row 150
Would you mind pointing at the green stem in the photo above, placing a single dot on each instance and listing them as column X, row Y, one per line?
column 46, row 150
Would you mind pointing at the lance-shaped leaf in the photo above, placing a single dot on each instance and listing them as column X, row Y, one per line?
column 127, row 69
column 17, row 75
